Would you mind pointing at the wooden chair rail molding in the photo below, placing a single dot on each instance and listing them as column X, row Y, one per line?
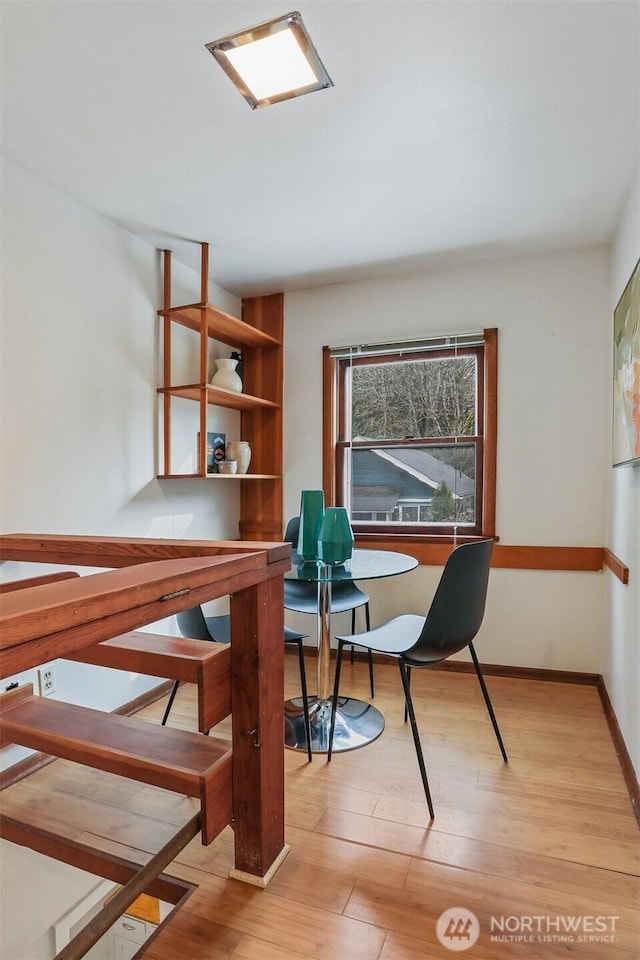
column 616, row 565
column 160, row 578
column 508, row 556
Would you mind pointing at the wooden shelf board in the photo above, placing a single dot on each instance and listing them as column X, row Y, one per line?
column 221, row 326
column 219, row 476
column 220, row 397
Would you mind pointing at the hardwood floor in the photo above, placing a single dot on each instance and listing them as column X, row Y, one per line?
column 547, row 839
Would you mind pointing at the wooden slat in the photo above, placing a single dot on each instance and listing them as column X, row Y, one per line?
column 35, row 761
column 204, row 273
column 123, row 551
column 203, row 662
column 328, row 430
column 515, row 557
column 220, row 397
column 548, row 558
column 617, row 567
column 10, row 585
column 232, row 478
column 176, row 760
column 166, row 362
column 88, row 858
column 220, row 326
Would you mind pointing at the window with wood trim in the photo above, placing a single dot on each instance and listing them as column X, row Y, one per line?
column 410, row 435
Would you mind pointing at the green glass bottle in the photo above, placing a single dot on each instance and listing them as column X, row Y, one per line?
column 335, row 541
column 311, row 517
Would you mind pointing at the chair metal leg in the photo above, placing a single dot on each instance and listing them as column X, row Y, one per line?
column 170, row 703
column 371, row 674
column 334, row 699
column 367, row 619
column 406, row 714
column 485, row 693
column 416, row 735
column 305, row 699
column 368, row 627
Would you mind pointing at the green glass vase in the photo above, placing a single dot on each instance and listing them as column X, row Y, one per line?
column 335, row 541
column 311, row 516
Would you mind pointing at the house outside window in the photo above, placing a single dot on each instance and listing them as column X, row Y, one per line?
column 410, row 435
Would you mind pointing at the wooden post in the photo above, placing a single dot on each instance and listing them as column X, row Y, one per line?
column 166, row 361
column 257, row 705
column 204, row 357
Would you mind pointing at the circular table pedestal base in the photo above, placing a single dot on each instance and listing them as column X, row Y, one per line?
column 357, row 723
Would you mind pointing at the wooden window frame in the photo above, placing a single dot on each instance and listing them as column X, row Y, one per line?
column 333, row 426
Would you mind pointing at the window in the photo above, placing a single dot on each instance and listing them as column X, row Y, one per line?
column 410, row 435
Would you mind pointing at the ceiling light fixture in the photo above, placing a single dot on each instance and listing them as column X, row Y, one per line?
column 271, row 62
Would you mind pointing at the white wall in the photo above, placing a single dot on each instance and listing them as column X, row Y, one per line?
column 36, row 892
column 80, row 362
column 622, row 646
column 553, row 428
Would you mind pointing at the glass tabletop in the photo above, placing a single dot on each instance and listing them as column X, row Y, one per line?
column 363, row 565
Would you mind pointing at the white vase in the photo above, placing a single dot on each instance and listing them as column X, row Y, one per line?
column 226, row 376
column 240, row 451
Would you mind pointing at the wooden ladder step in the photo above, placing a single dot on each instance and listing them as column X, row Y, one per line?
column 176, row 760
column 203, row 662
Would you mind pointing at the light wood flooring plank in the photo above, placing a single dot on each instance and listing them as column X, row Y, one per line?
column 250, row 948
column 285, row 923
column 417, row 911
column 417, row 841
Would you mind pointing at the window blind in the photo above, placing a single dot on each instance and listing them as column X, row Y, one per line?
column 423, row 345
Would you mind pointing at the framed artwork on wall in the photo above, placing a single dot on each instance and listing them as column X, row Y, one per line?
column 626, row 373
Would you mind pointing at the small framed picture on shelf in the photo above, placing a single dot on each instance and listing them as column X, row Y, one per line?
column 216, row 443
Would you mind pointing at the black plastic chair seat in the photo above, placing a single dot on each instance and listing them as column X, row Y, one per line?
column 219, row 629
column 392, row 638
column 302, row 596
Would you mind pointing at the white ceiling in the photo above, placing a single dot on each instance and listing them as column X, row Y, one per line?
column 454, row 129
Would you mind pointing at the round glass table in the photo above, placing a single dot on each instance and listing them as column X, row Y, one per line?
column 357, row 722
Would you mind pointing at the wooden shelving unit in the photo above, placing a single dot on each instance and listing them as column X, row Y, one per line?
column 259, row 336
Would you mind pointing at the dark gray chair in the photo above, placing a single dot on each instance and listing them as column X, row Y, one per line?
column 453, row 620
column 302, row 596
column 193, row 623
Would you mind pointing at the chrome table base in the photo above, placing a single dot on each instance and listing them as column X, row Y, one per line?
column 357, row 723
